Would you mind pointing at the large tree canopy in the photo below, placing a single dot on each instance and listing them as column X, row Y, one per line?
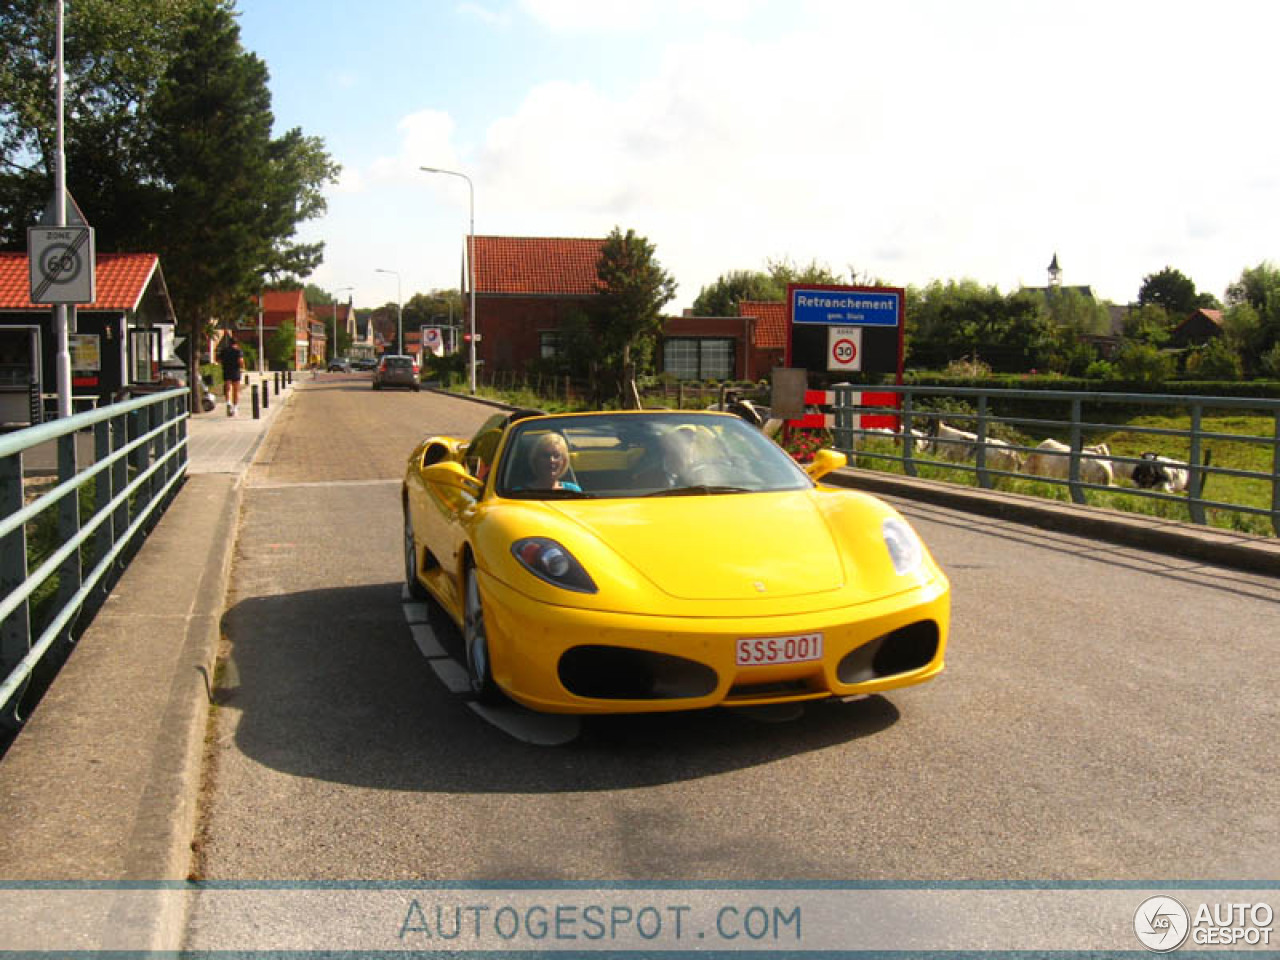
column 1174, row 291
column 635, row 289
column 169, row 144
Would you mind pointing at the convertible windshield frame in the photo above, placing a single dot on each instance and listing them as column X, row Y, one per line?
column 628, row 454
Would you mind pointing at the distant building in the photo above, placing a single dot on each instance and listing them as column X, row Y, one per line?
column 1198, row 329
column 528, row 288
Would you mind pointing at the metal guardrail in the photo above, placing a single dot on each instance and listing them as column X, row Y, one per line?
column 916, row 414
column 97, row 513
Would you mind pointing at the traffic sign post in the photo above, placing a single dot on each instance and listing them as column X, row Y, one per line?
column 63, row 264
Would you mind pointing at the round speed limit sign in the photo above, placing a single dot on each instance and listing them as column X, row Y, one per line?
column 844, row 348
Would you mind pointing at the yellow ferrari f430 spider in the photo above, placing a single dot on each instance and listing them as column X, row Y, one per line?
column 625, row 562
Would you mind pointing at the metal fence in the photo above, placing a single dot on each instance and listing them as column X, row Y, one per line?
column 77, row 495
column 1082, row 422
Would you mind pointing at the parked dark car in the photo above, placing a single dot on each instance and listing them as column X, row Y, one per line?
column 396, row 370
column 340, row 365
column 364, row 363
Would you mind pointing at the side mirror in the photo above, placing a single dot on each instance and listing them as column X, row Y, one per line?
column 453, row 475
column 825, row 461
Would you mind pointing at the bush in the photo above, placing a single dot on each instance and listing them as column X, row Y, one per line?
column 1143, row 364
column 1215, row 361
column 1100, row 370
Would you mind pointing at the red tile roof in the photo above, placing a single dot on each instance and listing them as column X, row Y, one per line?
column 281, row 301
column 537, row 265
column 771, row 330
column 121, row 280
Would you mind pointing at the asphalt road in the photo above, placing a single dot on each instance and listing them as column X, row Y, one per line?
column 1106, row 714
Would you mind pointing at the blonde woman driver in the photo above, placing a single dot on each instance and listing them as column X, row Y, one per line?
column 549, row 460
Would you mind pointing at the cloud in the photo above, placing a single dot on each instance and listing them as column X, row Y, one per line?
column 425, row 139
column 910, row 141
column 493, row 18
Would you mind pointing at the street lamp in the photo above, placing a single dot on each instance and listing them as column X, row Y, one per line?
column 399, row 310
column 333, row 352
column 471, row 266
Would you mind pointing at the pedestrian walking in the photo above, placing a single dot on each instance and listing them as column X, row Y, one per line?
column 232, row 359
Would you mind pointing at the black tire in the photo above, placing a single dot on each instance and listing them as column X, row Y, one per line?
column 416, row 590
column 475, row 644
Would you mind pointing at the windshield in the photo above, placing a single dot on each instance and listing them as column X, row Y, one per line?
column 642, row 454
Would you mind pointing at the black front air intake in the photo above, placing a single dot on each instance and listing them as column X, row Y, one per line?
column 902, row 651
column 617, row 673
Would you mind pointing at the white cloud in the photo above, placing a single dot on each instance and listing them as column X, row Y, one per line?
column 911, row 141
column 493, row 18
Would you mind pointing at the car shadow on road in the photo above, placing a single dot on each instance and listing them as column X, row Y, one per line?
column 330, row 684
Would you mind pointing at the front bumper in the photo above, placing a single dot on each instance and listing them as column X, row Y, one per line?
column 567, row 660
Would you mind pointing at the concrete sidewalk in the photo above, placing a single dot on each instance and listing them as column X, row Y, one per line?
column 102, row 782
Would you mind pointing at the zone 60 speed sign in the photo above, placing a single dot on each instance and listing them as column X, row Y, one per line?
column 62, row 264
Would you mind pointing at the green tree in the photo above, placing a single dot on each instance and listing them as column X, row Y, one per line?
column 1253, row 312
column 783, row 272
column 169, row 146
column 721, row 299
column 1143, row 363
column 1215, row 361
column 282, row 347
column 635, row 289
column 114, row 54
column 237, row 193
column 1149, row 324
column 963, row 319
column 1170, row 289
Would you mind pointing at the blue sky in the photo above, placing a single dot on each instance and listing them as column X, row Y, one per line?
column 911, row 141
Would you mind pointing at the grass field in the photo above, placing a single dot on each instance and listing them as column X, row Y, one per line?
column 1253, row 456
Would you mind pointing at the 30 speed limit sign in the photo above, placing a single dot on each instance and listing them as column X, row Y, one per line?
column 62, row 264
column 844, row 348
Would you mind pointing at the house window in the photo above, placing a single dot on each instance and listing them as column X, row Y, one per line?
column 698, row 358
column 548, row 344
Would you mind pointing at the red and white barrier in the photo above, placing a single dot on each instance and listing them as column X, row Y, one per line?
column 861, row 421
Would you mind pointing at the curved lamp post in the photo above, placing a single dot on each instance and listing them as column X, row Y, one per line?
column 471, row 267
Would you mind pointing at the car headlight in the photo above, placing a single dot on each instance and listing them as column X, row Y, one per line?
column 549, row 561
column 905, row 549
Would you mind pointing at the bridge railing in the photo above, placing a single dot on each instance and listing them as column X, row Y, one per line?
column 1084, row 420
column 69, row 524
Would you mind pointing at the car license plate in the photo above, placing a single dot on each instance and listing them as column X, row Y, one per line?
column 764, row 651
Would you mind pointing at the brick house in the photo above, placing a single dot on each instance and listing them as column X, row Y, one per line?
column 525, row 289
column 528, row 287
column 278, row 308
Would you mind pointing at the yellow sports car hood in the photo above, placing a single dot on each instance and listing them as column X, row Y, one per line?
column 726, row 547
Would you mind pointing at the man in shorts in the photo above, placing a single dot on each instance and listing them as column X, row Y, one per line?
column 232, row 359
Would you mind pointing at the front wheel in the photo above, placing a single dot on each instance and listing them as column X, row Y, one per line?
column 476, row 642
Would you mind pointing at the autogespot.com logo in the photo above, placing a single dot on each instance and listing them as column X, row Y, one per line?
column 1161, row 923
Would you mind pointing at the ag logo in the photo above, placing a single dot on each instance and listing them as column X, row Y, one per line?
column 1161, row 923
